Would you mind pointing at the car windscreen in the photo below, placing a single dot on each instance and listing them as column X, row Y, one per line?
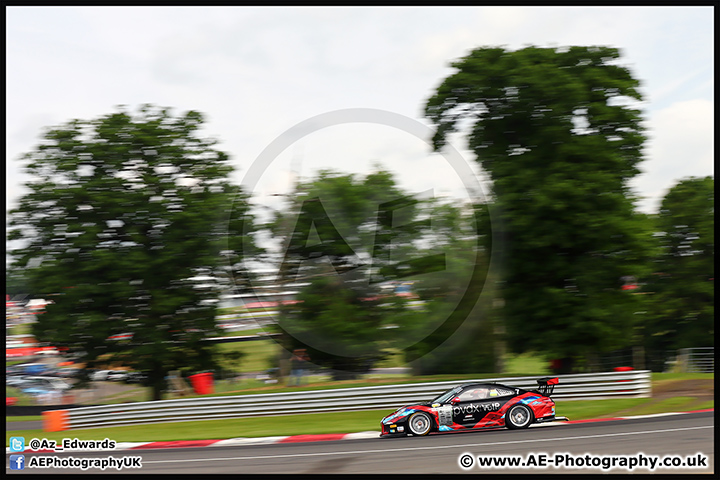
column 446, row 396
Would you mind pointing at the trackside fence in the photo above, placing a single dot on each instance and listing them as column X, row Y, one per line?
column 696, row 360
column 630, row 384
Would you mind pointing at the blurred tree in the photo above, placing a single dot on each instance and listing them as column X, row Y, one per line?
column 337, row 325
column 327, row 235
column 557, row 134
column 457, row 331
column 682, row 313
column 346, row 241
column 126, row 214
column 16, row 284
column 334, row 217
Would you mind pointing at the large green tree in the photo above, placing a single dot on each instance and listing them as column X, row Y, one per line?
column 682, row 312
column 125, row 213
column 327, row 233
column 557, row 132
column 347, row 241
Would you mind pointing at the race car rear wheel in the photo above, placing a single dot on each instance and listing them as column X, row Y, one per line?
column 419, row 423
column 519, row 416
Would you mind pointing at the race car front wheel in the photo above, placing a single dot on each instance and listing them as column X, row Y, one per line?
column 519, row 416
column 419, row 423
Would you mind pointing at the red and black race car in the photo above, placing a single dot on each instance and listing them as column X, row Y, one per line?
column 475, row 405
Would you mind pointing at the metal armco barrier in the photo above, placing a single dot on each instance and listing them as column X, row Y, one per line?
column 592, row 386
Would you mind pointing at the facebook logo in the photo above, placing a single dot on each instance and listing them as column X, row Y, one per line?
column 17, row 462
column 17, row 444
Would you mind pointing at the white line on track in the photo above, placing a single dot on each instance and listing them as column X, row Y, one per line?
column 434, row 447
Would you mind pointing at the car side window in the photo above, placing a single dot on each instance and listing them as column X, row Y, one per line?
column 465, row 396
column 472, row 394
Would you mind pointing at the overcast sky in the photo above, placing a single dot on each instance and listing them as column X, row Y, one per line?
column 258, row 73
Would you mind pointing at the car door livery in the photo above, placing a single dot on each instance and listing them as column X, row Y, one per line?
column 480, row 406
column 463, row 413
column 467, row 407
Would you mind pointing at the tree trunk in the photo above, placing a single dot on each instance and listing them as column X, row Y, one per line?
column 157, row 382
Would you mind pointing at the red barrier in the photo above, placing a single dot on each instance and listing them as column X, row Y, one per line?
column 202, row 383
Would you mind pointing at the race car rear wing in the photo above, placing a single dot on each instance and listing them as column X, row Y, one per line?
column 546, row 385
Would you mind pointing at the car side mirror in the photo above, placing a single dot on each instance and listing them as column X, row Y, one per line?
column 455, row 400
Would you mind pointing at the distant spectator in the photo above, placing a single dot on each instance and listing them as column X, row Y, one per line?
column 298, row 366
